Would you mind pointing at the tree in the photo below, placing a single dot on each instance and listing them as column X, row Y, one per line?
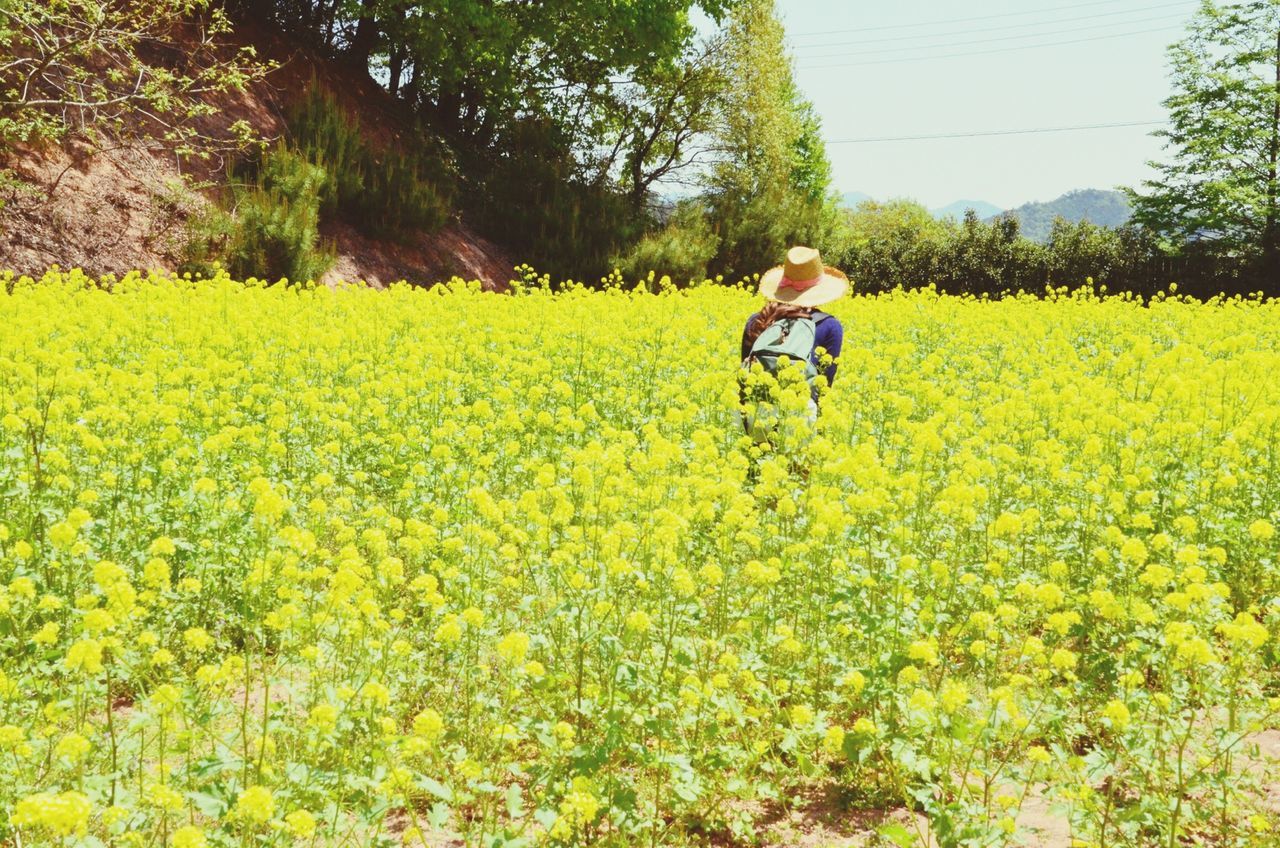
column 1080, row 250
column 1221, row 184
column 665, row 121
column 893, row 243
column 989, row 258
column 142, row 69
column 771, row 185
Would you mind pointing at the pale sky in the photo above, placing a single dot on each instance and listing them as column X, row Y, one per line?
column 926, row 67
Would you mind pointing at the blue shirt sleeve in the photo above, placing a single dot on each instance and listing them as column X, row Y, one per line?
column 829, row 337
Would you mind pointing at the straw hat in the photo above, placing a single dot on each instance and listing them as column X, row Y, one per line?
column 803, row 280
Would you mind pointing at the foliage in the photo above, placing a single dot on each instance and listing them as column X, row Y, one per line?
column 986, row 258
column 319, row 130
column 664, row 123
column 383, row 193
column 540, row 202
column 476, row 70
column 682, row 249
column 328, row 567
column 1221, row 184
column 1076, row 252
column 562, row 114
column 277, row 221
column 770, row 187
column 1104, row 208
column 143, row 69
column 205, row 240
column 898, row 243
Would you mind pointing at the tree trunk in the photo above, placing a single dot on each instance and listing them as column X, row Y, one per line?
column 395, row 69
column 412, row 89
column 638, row 188
column 366, row 35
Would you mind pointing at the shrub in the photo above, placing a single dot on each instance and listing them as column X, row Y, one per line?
column 382, row 193
column 681, row 249
column 277, row 228
column 897, row 242
column 533, row 195
column 396, row 199
column 206, row 240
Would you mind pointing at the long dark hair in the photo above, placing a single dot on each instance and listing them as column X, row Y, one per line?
column 774, row 311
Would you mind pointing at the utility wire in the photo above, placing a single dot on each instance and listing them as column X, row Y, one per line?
column 984, row 133
column 915, row 24
column 874, row 41
column 997, row 39
column 988, row 52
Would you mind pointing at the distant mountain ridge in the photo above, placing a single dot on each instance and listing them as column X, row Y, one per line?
column 956, row 210
column 1097, row 206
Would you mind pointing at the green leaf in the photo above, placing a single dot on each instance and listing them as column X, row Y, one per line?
column 436, row 788
column 208, row 805
column 898, row 835
column 515, row 801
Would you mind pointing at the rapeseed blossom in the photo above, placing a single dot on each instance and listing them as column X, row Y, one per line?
column 255, row 805
column 300, row 564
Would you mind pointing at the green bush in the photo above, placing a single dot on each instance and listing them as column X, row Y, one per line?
column 206, row 240
column 531, row 194
column 681, row 249
column 1081, row 251
column 386, row 194
column 989, row 258
column 277, row 221
column 894, row 243
column 328, row 137
column 755, row 232
column 397, row 200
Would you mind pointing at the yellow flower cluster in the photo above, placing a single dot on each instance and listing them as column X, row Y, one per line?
column 315, row 566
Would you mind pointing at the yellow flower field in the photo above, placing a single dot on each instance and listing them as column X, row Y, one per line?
column 301, row 566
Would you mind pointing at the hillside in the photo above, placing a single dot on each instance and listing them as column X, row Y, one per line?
column 113, row 210
column 1104, row 208
column 958, row 209
column 955, row 209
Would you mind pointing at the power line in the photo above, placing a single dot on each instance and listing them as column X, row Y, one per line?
column 997, row 39
column 983, row 133
column 955, row 20
column 988, row 52
column 1168, row 10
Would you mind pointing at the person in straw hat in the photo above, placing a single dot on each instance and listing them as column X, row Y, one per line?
column 795, row 290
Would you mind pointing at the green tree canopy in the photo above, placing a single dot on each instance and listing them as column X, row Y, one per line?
column 1220, row 185
column 771, row 184
column 149, row 70
column 474, row 68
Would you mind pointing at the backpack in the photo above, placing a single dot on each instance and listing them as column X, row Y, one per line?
column 787, row 339
column 788, row 342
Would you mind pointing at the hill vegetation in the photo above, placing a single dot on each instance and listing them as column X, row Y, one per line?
column 955, row 209
column 1095, row 206
column 958, row 209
